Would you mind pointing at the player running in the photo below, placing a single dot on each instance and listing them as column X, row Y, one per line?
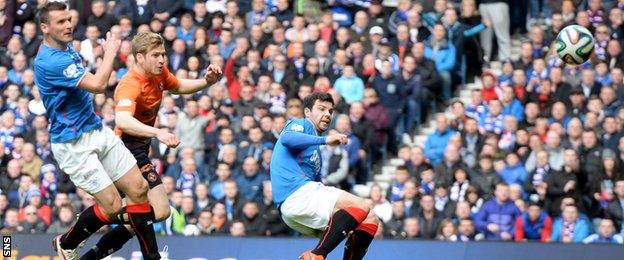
column 138, row 97
column 305, row 203
column 94, row 158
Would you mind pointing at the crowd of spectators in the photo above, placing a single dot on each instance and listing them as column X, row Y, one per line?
column 535, row 155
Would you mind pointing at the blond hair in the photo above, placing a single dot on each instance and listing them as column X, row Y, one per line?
column 143, row 42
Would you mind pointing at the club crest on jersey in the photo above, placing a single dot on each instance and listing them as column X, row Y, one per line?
column 161, row 85
column 71, row 71
column 296, row 128
column 124, row 102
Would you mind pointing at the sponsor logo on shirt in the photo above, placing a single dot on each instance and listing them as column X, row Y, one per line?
column 71, row 71
column 124, row 102
column 296, row 128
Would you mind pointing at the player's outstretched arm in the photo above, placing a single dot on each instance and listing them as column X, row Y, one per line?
column 97, row 83
column 130, row 125
column 187, row 86
column 297, row 140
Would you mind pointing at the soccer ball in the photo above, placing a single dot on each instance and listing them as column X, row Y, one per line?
column 574, row 44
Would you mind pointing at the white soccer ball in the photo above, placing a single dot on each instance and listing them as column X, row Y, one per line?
column 575, row 44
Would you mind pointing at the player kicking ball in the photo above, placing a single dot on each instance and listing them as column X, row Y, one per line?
column 138, row 97
column 94, row 158
column 307, row 205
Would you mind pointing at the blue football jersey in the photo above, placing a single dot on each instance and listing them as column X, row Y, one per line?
column 296, row 159
column 69, row 108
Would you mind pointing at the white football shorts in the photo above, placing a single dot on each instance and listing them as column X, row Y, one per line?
column 94, row 160
column 310, row 207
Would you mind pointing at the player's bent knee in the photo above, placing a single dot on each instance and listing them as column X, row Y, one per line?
column 111, row 207
column 139, row 192
column 371, row 218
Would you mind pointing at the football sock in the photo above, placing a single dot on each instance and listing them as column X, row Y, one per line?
column 340, row 224
column 89, row 221
column 112, row 241
column 141, row 219
column 358, row 242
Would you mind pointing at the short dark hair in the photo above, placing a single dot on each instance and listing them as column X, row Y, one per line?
column 44, row 12
column 309, row 101
column 402, row 168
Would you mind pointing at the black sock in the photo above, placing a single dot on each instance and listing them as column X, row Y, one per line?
column 341, row 223
column 89, row 221
column 112, row 241
column 141, row 220
column 357, row 245
column 121, row 218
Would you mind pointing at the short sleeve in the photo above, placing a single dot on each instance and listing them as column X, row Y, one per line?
column 170, row 80
column 63, row 69
column 125, row 97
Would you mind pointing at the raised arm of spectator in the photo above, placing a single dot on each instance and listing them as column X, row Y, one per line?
column 187, row 86
column 474, row 30
column 229, row 68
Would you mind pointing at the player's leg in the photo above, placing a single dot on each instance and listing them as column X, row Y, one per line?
column 121, row 166
column 140, row 213
column 114, row 240
column 92, row 178
column 358, row 242
column 349, row 211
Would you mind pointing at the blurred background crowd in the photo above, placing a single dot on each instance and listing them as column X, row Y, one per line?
column 534, row 152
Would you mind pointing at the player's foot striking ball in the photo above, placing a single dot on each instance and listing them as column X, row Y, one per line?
column 307, row 205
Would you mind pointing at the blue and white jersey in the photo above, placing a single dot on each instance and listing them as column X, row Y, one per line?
column 69, row 108
column 296, row 159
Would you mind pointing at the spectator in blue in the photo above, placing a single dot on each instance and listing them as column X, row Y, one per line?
column 514, row 171
column 442, row 52
column 569, row 228
column 250, row 182
column 610, row 101
column 186, row 30
column 392, row 96
column 258, row 14
column 226, row 44
column 188, row 177
column 19, row 64
column 511, row 105
column 492, row 121
column 606, row 234
column 431, row 18
column 477, row 107
column 437, row 141
column 284, row 13
column 384, row 53
column 395, row 190
column 497, row 217
column 350, row 86
column 354, row 146
column 559, row 114
column 399, row 16
column 216, row 187
column 415, row 93
column 533, row 225
column 615, row 209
